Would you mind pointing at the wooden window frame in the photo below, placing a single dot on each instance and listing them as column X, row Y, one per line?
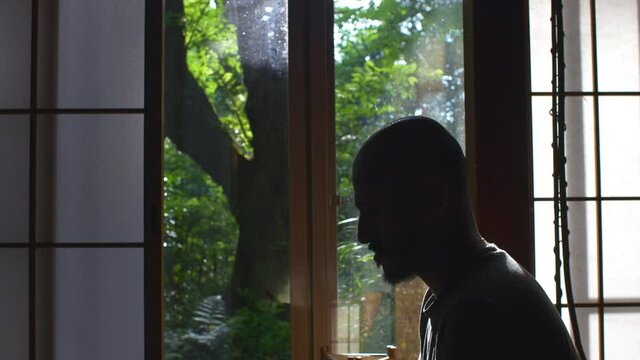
column 153, row 178
column 498, row 113
column 498, row 118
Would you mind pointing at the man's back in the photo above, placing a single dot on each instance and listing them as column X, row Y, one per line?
column 493, row 310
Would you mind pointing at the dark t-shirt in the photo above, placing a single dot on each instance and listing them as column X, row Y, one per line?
column 494, row 310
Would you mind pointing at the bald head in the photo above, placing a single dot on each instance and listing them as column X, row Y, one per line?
column 410, row 185
column 400, row 155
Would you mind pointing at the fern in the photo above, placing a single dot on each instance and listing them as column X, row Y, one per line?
column 210, row 339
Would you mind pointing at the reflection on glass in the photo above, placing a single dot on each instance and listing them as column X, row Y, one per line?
column 225, row 180
column 393, row 59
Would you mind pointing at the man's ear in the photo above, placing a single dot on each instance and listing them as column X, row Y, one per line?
column 434, row 193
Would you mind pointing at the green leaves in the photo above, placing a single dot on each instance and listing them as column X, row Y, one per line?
column 261, row 330
column 212, row 58
column 394, row 58
column 200, row 237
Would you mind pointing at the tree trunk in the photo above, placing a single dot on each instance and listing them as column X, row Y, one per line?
column 261, row 201
column 262, row 259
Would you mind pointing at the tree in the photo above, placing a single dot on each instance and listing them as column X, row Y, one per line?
column 226, row 109
column 200, row 238
column 220, row 82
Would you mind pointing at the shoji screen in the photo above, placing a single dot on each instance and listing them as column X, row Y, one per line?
column 77, row 132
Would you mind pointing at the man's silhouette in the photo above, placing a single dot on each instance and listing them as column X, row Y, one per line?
column 410, row 182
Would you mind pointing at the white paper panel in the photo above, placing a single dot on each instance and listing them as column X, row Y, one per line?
column 619, row 146
column 583, row 249
column 99, row 178
column 15, row 53
column 621, row 250
column 14, row 181
column 100, row 54
column 621, row 333
column 618, row 45
column 97, row 301
column 14, row 304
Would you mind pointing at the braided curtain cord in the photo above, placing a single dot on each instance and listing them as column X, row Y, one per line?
column 561, row 228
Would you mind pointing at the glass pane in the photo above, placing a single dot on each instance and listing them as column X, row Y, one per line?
column 14, row 183
column 96, row 303
column 98, row 178
column 621, row 250
column 619, row 151
column 15, row 46
column 583, row 249
column 588, row 324
column 621, row 333
column 392, row 59
column 577, row 29
column 618, row 45
column 14, row 304
column 579, row 146
column 99, row 55
column 226, row 203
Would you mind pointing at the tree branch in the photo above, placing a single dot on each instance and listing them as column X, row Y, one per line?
column 190, row 122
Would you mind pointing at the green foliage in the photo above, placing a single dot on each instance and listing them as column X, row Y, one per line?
column 208, row 340
column 261, row 331
column 356, row 267
column 200, row 237
column 394, row 58
column 212, row 58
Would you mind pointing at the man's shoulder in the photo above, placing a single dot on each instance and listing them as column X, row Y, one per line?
column 495, row 272
column 483, row 329
column 502, row 295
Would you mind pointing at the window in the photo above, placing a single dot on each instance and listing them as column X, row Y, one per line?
column 602, row 115
column 312, row 203
column 77, row 150
column 392, row 59
column 226, row 188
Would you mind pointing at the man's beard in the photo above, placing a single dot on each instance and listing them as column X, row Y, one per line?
column 395, row 276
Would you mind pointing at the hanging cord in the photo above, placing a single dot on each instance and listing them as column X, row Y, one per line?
column 561, row 208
